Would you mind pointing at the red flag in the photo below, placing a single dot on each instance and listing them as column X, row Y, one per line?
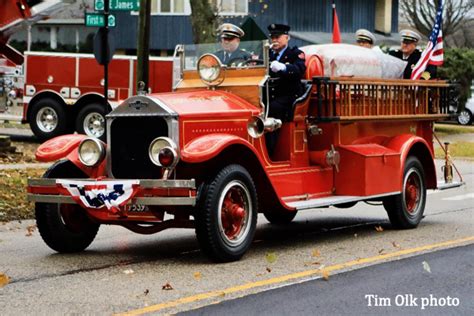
column 336, row 33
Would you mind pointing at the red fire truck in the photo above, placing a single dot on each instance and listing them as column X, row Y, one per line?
column 59, row 93
column 198, row 155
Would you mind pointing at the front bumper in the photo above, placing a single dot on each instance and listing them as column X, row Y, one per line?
column 150, row 192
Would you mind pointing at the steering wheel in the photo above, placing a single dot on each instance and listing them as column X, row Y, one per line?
column 240, row 62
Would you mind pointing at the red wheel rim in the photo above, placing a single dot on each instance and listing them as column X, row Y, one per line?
column 412, row 192
column 234, row 213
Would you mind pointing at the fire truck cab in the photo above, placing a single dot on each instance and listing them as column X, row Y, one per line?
column 199, row 155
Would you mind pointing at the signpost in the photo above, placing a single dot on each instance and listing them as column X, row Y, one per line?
column 103, row 50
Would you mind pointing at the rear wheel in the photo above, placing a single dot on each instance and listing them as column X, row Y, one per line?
column 48, row 119
column 91, row 121
column 227, row 217
column 405, row 210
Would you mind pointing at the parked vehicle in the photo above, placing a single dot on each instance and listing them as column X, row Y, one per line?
column 465, row 115
column 198, row 154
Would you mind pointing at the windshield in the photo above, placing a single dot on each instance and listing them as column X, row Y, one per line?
column 243, row 54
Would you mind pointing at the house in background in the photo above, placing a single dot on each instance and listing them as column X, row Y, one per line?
column 310, row 20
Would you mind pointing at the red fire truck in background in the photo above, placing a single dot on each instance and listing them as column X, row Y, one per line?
column 59, row 93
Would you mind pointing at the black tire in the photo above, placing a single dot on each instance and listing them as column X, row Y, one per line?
column 64, row 227
column 222, row 235
column 48, row 119
column 279, row 216
column 465, row 117
column 91, row 121
column 405, row 210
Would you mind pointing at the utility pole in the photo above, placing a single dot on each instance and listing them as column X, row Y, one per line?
column 105, row 43
column 143, row 45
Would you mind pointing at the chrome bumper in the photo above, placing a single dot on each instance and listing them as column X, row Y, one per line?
column 145, row 184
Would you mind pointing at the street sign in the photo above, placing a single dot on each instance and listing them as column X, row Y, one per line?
column 97, row 19
column 104, row 46
column 120, row 5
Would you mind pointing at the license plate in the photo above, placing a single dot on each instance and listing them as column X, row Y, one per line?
column 135, row 208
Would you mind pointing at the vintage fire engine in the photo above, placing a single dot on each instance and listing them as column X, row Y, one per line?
column 59, row 93
column 198, row 155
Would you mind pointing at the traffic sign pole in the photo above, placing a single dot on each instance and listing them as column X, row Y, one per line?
column 106, row 64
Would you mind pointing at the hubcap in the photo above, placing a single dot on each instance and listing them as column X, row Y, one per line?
column 47, row 119
column 94, row 124
column 234, row 213
column 464, row 117
column 412, row 193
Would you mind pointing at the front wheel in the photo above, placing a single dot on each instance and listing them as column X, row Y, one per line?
column 405, row 210
column 226, row 218
column 465, row 117
column 91, row 121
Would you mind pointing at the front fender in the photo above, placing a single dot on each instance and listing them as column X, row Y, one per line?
column 412, row 145
column 206, row 147
column 65, row 147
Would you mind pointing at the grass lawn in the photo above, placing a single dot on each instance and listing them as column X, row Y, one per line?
column 13, row 203
column 457, row 150
column 449, row 129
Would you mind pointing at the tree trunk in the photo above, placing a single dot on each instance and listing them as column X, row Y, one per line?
column 204, row 20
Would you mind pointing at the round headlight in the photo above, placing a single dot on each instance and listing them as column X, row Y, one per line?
column 210, row 69
column 163, row 152
column 91, row 152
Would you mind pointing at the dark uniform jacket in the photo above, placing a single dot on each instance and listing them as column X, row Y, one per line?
column 289, row 83
column 236, row 57
column 412, row 60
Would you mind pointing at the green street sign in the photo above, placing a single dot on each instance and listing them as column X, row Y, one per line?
column 99, row 5
column 119, row 5
column 97, row 19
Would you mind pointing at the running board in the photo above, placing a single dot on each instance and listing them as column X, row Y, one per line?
column 335, row 200
column 444, row 186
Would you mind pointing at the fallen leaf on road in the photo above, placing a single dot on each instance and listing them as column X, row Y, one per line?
column 197, row 275
column 4, row 280
column 146, row 292
column 167, row 287
column 316, row 253
column 325, row 275
column 271, row 257
column 269, row 270
column 30, row 230
column 381, row 250
column 128, row 271
column 426, row 266
column 395, row 244
column 379, row 228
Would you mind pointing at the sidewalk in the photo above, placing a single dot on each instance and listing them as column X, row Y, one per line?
column 12, row 166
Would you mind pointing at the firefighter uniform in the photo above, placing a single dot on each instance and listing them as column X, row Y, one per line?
column 412, row 37
column 230, row 31
column 287, row 67
column 287, row 87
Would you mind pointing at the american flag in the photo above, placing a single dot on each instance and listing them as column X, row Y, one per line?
column 433, row 53
column 99, row 194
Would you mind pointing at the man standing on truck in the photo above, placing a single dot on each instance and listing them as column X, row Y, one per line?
column 230, row 53
column 409, row 53
column 287, row 67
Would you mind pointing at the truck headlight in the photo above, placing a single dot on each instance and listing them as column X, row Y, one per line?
column 210, row 70
column 163, row 152
column 91, row 152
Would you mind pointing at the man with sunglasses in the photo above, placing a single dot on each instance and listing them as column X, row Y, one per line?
column 409, row 53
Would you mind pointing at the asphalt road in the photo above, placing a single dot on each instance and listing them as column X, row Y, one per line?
column 125, row 272
column 438, row 283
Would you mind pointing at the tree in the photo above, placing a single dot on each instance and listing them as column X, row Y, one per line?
column 421, row 15
column 204, row 20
